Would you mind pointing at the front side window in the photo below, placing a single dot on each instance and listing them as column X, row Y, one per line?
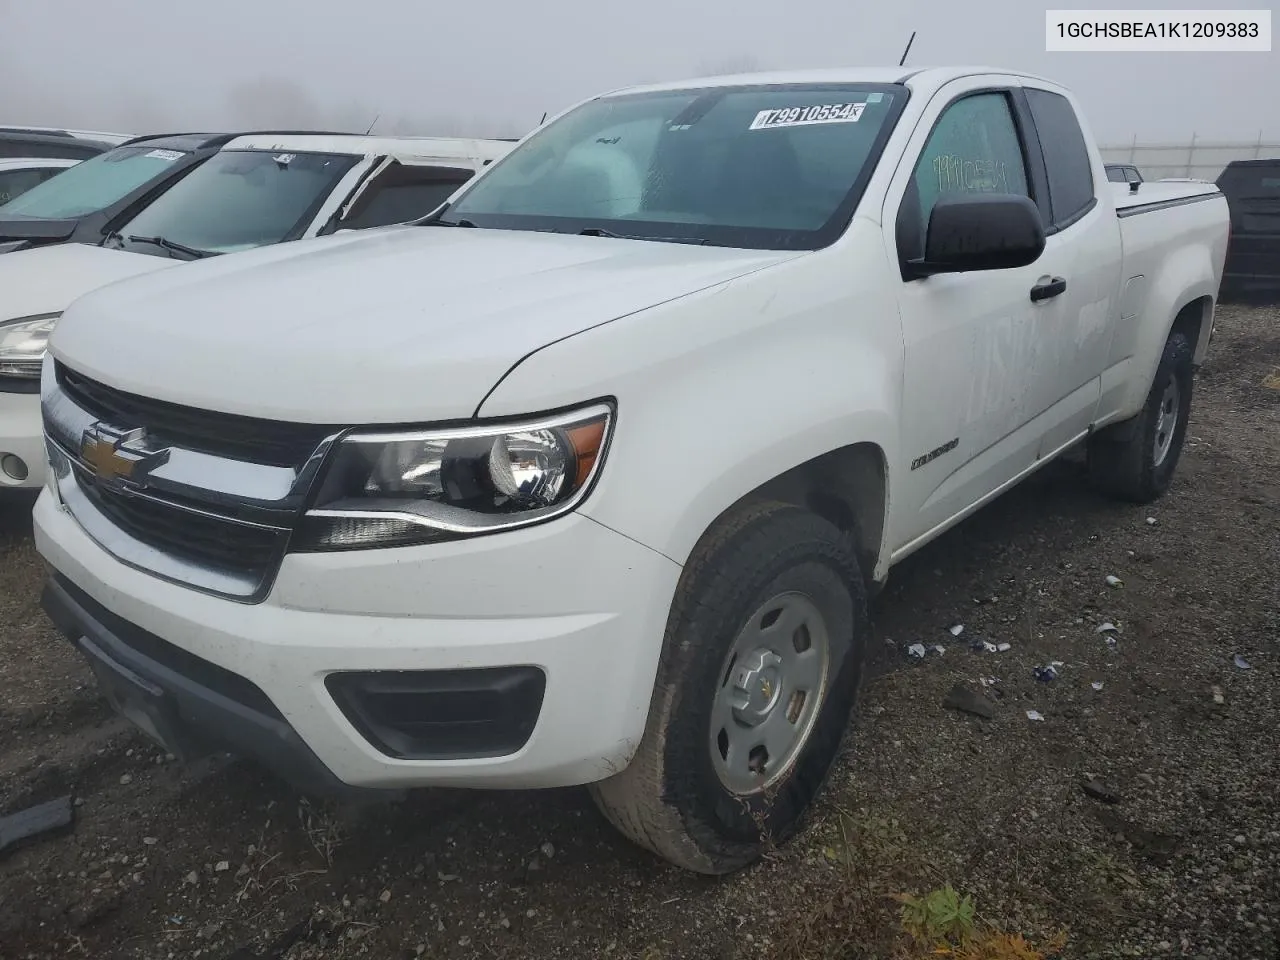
column 1066, row 156
column 973, row 148
column 763, row 166
column 237, row 200
column 93, row 184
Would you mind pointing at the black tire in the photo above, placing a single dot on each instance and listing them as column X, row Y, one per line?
column 670, row 798
column 1127, row 467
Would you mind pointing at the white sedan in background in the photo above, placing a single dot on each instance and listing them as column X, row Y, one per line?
column 259, row 190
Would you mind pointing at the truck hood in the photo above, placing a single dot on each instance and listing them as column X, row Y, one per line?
column 393, row 325
column 48, row 279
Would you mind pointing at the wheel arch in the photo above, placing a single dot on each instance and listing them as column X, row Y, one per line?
column 848, row 487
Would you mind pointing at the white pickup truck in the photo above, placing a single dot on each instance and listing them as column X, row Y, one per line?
column 258, row 189
column 585, row 478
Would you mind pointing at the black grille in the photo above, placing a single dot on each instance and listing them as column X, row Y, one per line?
column 269, row 442
column 209, row 541
column 161, row 652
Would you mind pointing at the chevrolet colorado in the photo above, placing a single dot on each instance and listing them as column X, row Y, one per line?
column 586, row 477
column 257, row 189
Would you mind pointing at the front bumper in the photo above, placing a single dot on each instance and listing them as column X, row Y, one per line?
column 21, row 436
column 584, row 605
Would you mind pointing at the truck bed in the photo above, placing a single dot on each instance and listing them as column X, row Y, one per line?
column 1159, row 193
column 1168, row 230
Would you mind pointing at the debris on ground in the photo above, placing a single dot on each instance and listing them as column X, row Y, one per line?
column 1107, row 627
column 969, row 701
column 1002, row 647
column 1035, row 715
column 1242, row 663
column 957, row 629
column 1114, row 581
column 1100, row 791
column 939, row 649
column 1151, row 521
column 44, row 818
column 1218, row 696
column 1097, row 684
column 916, row 650
column 1046, row 674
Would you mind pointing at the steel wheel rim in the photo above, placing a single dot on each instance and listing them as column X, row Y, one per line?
column 769, row 692
column 1166, row 421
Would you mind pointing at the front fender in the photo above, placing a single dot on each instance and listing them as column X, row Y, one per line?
column 723, row 390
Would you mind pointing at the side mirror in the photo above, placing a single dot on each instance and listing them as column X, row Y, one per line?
column 993, row 231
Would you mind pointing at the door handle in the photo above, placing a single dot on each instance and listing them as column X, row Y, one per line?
column 1048, row 290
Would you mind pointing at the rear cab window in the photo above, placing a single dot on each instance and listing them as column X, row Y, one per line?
column 1066, row 156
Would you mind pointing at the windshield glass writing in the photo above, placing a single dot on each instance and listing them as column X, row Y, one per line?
column 240, row 199
column 762, row 167
column 92, row 185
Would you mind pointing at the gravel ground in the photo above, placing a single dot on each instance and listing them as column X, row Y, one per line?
column 217, row 860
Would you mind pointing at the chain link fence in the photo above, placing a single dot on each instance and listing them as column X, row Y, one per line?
column 1200, row 159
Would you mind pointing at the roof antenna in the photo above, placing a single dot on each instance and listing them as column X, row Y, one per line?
column 908, row 50
column 378, row 117
column 544, row 118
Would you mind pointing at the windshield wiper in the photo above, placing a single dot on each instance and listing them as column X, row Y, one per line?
column 448, row 223
column 169, row 245
column 602, row 232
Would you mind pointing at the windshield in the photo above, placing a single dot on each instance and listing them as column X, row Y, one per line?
column 1253, row 181
column 769, row 167
column 239, row 199
column 93, row 184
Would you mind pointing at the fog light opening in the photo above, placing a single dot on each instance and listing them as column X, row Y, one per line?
column 14, row 467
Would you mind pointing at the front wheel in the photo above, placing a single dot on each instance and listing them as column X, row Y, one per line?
column 1140, row 467
column 760, row 670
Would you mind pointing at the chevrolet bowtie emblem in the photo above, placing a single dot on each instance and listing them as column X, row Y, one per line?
column 119, row 455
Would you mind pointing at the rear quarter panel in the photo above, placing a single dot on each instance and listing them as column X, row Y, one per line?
column 1173, row 255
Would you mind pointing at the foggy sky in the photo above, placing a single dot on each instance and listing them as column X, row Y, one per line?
column 492, row 69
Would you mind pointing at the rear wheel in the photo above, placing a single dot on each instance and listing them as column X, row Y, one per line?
column 1139, row 467
column 759, row 673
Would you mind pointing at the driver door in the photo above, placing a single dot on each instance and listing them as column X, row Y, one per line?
column 972, row 343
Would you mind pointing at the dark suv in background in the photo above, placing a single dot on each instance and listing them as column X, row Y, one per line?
column 1252, row 189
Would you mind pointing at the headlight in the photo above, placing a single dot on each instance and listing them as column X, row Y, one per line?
column 396, row 489
column 23, row 343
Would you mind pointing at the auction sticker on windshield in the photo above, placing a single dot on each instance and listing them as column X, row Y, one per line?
column 805, row 116
column 169, row 155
